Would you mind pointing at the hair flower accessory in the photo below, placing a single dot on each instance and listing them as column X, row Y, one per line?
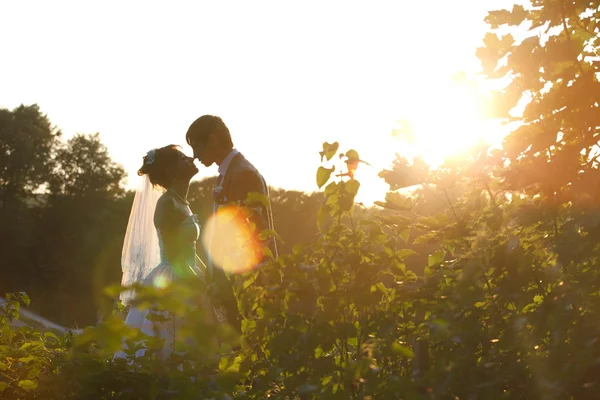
column 149, row 159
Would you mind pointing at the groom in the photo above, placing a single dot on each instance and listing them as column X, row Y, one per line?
column 211, row 141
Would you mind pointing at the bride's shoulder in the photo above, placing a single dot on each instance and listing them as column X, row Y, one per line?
column 165, row 200
column 165, row 209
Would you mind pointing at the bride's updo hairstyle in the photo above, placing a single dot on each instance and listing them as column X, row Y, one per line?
column 160, row 165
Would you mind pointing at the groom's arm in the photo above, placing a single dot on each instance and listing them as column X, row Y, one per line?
column 251, row 182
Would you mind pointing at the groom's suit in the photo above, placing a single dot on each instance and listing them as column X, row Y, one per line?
column 237, row 178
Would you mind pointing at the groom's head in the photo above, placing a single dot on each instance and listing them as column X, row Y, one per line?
column 210, row 139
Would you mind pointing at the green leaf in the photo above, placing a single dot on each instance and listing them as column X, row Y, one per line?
column 50, row 335
column 326, row 380
column 352, row 187
column 323, row 175
column 436, row 257
column 3, row 386
column 402, row 350
column 404, row 234
column 248, row 282
column 330, row 189
column 27, row 385
column 268, row 253
column 25, row 299
column 329, row 150
column 113, row 290
column 319, row 352
column 400, row 266
column 403, row 253
column 297, row 249
column 267, row 234
column 255, row 198
column 3, row 367
column 28, row 359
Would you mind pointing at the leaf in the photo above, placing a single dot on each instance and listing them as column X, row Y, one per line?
column 24, row 298
column 28, row 359
column 404, row 234
column 401, row 266
column 255, row 198
column 3, row 366
column 323, row 175
column 330, row 189
column 297, row 249
column 402, row 350
column 352, row 155
column 403, row 253
column 396, row 201
column 501, row 17
column 329, row 150
column 3, row 386
column 352, row 187
column 267, row 234
column 397, row 220
column 27, row 385
column 248, row 282
column 268, row 253
column 436, row 257
column 113, row 290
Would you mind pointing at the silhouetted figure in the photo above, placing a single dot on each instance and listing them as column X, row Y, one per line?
column 211, row 141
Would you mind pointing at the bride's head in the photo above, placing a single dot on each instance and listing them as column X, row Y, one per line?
column 167, row 166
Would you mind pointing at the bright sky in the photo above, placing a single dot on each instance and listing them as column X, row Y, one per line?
column 285, row 76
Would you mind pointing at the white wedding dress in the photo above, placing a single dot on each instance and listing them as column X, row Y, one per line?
column 182, row 264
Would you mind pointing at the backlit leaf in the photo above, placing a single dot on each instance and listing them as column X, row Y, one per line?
column 323, row 175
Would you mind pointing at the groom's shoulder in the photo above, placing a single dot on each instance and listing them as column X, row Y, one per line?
column 245, row 166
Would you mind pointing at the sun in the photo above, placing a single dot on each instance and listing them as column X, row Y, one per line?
column 446, row 120
column 447, row 124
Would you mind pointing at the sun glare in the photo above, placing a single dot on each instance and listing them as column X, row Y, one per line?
column 450, row 121
column 450, row 124
column 231, row 243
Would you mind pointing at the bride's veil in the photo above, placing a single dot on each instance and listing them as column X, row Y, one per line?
column 141, row 252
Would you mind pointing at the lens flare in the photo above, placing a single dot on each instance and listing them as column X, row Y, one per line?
column 161, row 281
column 231, row 240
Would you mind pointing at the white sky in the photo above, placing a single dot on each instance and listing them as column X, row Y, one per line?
column 285, row 76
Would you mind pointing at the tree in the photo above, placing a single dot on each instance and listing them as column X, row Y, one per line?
column 548, row 51
column 80, row 231
column 84, row 168
column 552, row 67
column 27, row 142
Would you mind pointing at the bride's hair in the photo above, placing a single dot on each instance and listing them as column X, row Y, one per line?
column 160, row 164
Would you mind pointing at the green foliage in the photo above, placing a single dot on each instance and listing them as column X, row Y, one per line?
column 491, row 312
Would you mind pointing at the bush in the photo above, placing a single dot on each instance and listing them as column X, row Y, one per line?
column 493, row 315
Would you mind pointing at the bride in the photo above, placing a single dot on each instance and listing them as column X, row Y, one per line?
column 160, row 242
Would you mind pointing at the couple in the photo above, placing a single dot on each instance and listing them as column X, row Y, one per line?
column 160, row 243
